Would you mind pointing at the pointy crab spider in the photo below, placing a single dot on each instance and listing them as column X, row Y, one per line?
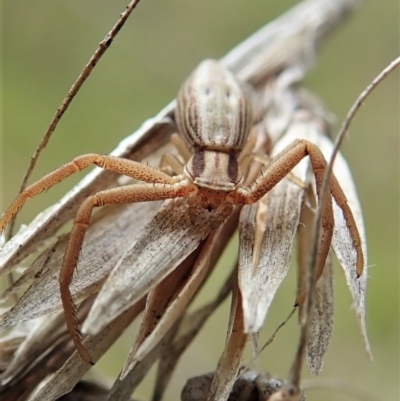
column 213, row 115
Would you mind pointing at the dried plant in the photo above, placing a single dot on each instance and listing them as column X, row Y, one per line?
column 153, row 258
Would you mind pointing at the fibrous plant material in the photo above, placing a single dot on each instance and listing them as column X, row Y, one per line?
column 173, row 247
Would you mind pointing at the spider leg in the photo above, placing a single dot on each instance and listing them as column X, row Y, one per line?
column 118, row 165
column 180, row 145
column 249, row 146
column 168, row 160
column 265, row 160
column 279, row 167
column 127, row 194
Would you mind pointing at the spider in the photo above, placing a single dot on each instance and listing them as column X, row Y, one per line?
column 213, row 115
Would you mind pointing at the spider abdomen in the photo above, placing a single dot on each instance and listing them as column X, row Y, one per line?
column 213, row 110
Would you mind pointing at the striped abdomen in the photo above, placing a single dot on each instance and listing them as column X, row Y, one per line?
column 213, row 110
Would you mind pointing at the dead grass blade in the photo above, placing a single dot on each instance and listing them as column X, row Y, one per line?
column 40, row 339
column 356, row 284
column 342, row 243
column 188, row 329
column 164, row 306
column 144, row 265
column 321, row 325
column 229, row 362
column 74, row 368
column 167, row 302
column 43, row 351
column 346, row 254
column 107, row 239
column 267, row 232
column 123, row 388
column 288, row 40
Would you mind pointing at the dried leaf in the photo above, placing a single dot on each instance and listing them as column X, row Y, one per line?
column 164, row 307
column 144, row 265
column 287, row 39
column 40, row 339
column 321, row 321
column 342, row 243
column 103, row 247
column 86, row 391
column 20, row 381
column 154, row 131
column 167, row 302
column 30, row 276
column 188, row 329
column 229, row 362
column 123, row 388
column 75, row 367
column 274, row 220
column 10, row 343
column 281, row 100
column 321, row 326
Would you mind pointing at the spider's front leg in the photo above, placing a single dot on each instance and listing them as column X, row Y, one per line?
column 127, row 194
column 278, row 168
column 162, row 187
column 118, row 165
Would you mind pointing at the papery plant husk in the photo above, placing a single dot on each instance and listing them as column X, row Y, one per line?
column 152, row 258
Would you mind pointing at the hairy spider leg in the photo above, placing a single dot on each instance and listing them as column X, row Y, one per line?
column 278, row 168
column 118, row 165
column 113, row 196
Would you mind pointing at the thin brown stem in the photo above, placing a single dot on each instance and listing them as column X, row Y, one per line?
column 311, row 282
column 103, row 46
column 272, row 338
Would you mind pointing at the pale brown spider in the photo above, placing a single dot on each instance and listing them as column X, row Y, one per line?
column 214, row 117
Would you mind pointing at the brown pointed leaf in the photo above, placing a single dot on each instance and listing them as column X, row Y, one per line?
column 30, row 276
column 42, row 352
column 342, row 243
column 287, row 39
column 10, row 344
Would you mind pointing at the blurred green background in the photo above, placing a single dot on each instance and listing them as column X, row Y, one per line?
column 45, row 46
